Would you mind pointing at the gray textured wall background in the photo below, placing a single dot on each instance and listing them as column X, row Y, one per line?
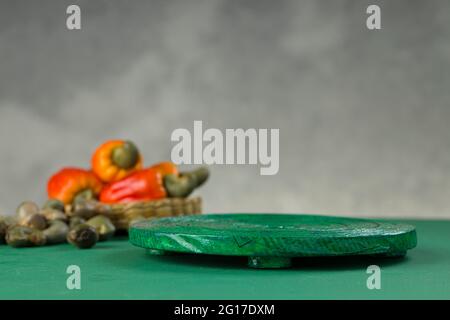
column 363, row 116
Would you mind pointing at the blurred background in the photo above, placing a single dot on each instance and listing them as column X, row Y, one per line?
column 363, row 115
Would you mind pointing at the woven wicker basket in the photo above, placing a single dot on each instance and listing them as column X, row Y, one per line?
column 122, row 214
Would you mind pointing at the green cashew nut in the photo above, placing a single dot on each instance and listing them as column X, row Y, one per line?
column 53, row 214
column 56, row 233
column 21, row 236
column 26, row 209
column 82, row 236
column 105, row 228
column 183, row 184
column 35, row 221
column 54, row 204
column 83, row 196
column 125, row 156
column 76, row 220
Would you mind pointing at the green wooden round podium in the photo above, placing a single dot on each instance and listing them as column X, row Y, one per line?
column 272, row 240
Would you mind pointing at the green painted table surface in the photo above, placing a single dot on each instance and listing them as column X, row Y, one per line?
column 272, row 240
column 118, row 270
